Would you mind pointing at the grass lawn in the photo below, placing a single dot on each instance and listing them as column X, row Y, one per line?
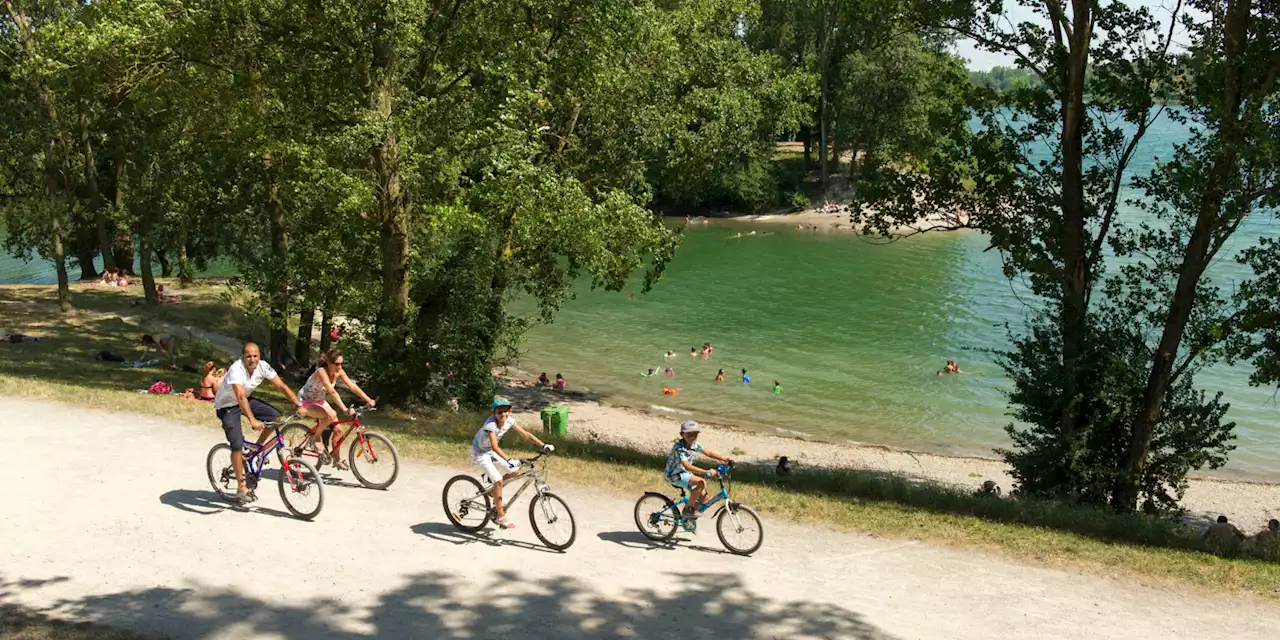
column 1098, row 541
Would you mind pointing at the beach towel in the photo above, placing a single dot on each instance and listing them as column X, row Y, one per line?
column 140, row 363
column 160, row 388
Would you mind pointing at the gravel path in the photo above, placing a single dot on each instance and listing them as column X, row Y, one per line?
column 112, row 520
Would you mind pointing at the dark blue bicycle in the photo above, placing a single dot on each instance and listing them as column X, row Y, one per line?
column 737, row 525
column 300, row 485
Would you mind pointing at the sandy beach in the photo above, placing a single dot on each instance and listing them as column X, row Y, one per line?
column 836, row 219
column 1247, row 504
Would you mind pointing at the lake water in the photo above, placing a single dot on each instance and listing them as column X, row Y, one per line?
column 854, row 331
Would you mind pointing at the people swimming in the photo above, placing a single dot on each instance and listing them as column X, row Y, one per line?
column 952, row 367
column 720, row 376
column 560, row 383
column 543, row 380
column 669, row 354
column 653, row 371
column 706, row 351
column 693, row 352
column 777, row 386
column 669, row 372
column 746, row 379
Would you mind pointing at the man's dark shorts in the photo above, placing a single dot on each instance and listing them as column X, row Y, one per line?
column 230, row 418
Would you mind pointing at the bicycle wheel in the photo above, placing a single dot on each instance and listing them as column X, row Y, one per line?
column 656, row 516
column 740, row 524
column 466, row 504
column 301, row 489
column 297, row 443
column 376, row 464
column 552, row 521
column 222, row 475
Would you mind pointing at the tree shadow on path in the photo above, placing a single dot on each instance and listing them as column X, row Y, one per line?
column 448, row 533
column 444, row 607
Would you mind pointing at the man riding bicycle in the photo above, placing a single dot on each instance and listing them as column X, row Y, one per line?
column 233, row 401
column 681, row 472
column 492, row 459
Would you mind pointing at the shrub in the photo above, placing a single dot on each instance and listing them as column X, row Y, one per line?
column 1110, row 378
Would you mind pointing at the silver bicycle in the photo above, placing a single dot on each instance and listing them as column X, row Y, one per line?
column 469, row 505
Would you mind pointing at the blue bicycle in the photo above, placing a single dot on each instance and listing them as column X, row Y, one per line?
column 737, row 525
column 300, row 485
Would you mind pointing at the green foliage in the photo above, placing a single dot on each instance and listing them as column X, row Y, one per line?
column 1190, row 433
column 799, row 201
column 1002, row 79
column 897, row 101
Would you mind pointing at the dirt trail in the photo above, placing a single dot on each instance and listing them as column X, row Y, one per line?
column 115, row 522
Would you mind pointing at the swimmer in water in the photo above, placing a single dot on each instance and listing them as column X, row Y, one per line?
column 693, row 352
column 669, row 372
column 952, row 367
column 746, row 379
column 777, row 387
column 720, row 376
column 736, row 235
column 752, row 233
column 652, row 371
column 669, row 354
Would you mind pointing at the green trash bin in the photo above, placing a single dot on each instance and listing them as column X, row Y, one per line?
column 555, row 419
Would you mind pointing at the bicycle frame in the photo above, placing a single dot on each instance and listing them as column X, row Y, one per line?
column 677, row 506
column 356, row 428
column 257, row 458
column 531, row 476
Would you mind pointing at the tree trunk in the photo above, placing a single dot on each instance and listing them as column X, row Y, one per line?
column 302, row 346
column 325, row 328
column 1195, row 258
column 835, row 150
column 822, row 132
column 185, row 277
column 279, row 254
column 148, row 278
column 124, row 235
column 60, row 264
column 57, row 173
column 86, row 249
column 97, row 205
column 166, row 267
column 1075, row 276
column 392, row 206
column 806, row 134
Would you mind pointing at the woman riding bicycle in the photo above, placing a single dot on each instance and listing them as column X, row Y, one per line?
column 486, row 452
column 681, row 472
column 328, row 372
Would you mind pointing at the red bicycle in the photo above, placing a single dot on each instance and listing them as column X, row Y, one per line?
column 371, row 456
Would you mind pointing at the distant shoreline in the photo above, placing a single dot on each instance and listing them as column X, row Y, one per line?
column 816, row 219
column 1247, row 502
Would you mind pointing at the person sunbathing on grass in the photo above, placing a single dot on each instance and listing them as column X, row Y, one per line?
column 18, row 337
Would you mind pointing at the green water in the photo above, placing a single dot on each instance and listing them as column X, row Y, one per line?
column 854, row 331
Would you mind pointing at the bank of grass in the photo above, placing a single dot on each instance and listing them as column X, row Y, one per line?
column 881, row 504
column 18, row 623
